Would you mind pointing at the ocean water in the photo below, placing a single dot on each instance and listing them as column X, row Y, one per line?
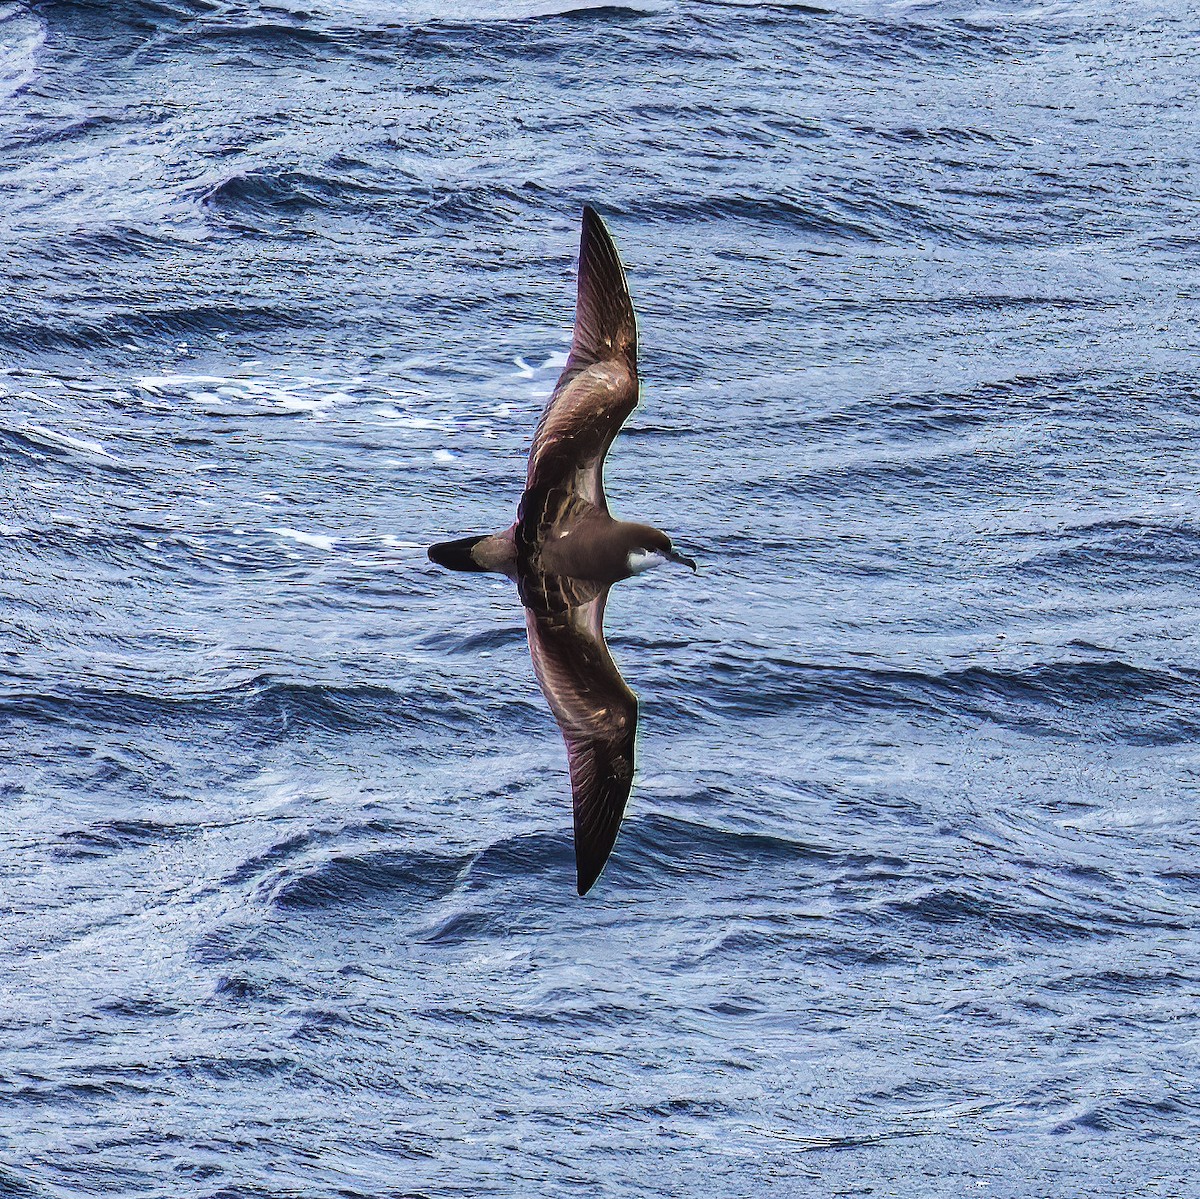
column 906, row 901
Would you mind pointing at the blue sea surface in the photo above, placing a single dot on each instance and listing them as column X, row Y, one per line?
column 906, row 902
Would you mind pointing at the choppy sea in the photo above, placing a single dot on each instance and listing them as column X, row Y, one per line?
column 906, row 900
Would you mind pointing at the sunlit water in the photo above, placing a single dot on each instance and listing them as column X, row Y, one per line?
column 906, row 900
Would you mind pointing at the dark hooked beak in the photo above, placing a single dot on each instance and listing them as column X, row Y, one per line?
column 676, row 556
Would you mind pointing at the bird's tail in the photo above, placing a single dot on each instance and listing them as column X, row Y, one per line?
column 483, row 552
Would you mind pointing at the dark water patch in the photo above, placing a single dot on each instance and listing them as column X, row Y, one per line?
column 1127, row 551
column 37, row 444
column 738, row 1007
column 1112, row 700
column 701, row 1109
column 87, row 1093
column 995, row 302
column 1103, row 983
column 319, row 1025
column 275, row 855
column 849, row 221
column 520, row 857
column 14, row 1186
column 365, row 882
column 45, row 134
column 137, row 1008
column 211, row 1068
column 111, row 326
column 261, row 710
column 239, row 989
column 464, row 927
column 1182, row 879
column 287, row 192
column 1028, row 913
column 117, row 836
column 1129, row 1113
column 233, row 943
column 948, row 470
column 475, row 643
column 856, row 951
column 657, row 846
column 208, row 318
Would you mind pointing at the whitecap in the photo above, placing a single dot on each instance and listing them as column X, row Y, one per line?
column 317, row 540
column 295, row 403
column 157, row 383
column 75, row 443
column 23, row 37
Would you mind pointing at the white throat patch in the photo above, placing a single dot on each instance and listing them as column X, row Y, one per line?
column 640, row 560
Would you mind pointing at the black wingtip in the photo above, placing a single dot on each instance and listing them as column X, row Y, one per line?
column 596, row 834
column 587, row 874
column 605, row 326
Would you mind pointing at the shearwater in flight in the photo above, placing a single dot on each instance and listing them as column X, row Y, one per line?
column 565, row 551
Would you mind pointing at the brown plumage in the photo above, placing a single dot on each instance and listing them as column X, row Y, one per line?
column 565, row 551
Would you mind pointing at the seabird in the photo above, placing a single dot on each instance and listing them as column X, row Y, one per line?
column 565, row 550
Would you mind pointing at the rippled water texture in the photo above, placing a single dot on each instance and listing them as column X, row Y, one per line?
column 906, row 901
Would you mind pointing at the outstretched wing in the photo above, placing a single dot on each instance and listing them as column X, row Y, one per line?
column 599, row 387
column 597, row 714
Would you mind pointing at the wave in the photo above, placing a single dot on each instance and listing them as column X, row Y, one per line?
column 353, row 882
column 1132, row 550
column 113, row 326
column 115, row 836
column 36, row 443
column 286, row 191
column 22, row 37
column 1104, row 698
column 261, row 709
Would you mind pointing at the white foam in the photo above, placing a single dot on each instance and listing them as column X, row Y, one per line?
column 157, row 383
column 317, row 540
column 294, row 403
column 41, row 399
column 23, row 37
column 292, row 395
column 443, row 456
column 420, row 422
column 75, row 443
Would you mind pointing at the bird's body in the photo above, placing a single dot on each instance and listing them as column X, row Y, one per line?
column 565, row 550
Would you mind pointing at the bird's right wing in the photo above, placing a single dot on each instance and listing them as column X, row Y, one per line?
column 597, row 714
column 599, row 387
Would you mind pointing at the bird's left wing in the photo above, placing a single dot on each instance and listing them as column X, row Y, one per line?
column 599, row 387
column 597, row 714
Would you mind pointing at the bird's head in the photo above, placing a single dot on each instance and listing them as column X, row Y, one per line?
column 652, row 547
